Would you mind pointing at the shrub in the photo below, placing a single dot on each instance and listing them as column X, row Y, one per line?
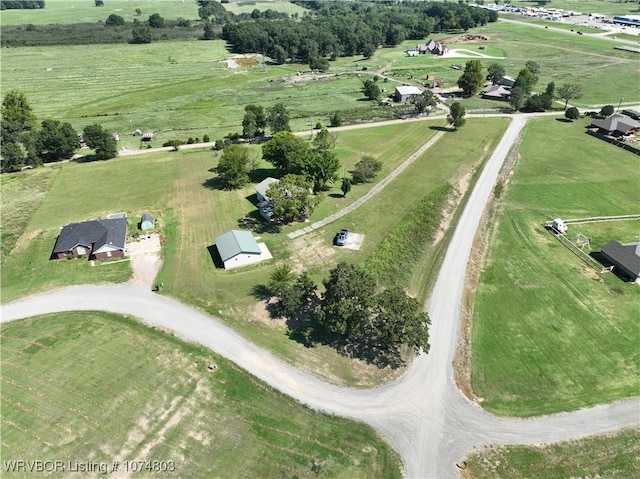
column 206, row 139
column 114, row 21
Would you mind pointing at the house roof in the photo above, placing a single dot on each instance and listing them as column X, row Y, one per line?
column 96, row 234
column 408, row 90
column 627, row 256
column 264, row 185
column 499, row 92
column 235, row 242
column 146, row 217
column 617, row 122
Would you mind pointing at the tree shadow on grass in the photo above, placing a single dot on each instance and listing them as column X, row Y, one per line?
column 564, row 120
column 214, row 183
column 260, row 174
column 335, row 195
column 440, row 128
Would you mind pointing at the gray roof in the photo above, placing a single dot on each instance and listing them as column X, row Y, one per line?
column 264, row 185
column 627, row 256
column 499, row 92
column 617, row 122
column 235, row 242
column 92, row 234
column 146, row 217
column 408, row 90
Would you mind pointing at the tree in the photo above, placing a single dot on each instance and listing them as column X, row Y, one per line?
column 572, row 113
column 518, row 97
column 526, row 80
column 366, row 169
column 540, row 102
column 280, row 279
column 495, row 73
column 534, row 68
column 233, row 168
column 13, row 155
column 323, row 140
column 456, row 115
column 138, row 12
column 278, row 119
column 114, row 20
column 472, row 79
column 426, row 100
column 607, row 110
column 101, row 141
column 347, row 300
column 283, row 150
column 370, row 89
column 141, row 33
column 569, row 91
column 345, row 187
column 319, row 63
column 551, row 90
column 56, row 140
column 319, row 167
column 254, row 121
column 278, row 54
column 156, row 21
column 98, row 3
column 292, row 198
column 209, row 32
column 398, row 319
column 17, row 114
column 335, row 120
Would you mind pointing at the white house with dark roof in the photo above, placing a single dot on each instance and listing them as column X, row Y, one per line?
column 239, row 248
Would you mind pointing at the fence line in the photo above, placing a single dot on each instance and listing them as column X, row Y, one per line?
column 588, row 260
column 595, row 219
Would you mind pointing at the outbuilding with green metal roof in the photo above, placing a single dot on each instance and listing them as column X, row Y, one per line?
column 239, row 248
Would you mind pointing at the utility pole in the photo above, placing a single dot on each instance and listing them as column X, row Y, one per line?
column 620, row 103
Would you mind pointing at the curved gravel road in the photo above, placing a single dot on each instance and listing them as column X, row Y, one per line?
column 422, row 413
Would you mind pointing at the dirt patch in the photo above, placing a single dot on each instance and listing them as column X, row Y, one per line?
column 311, row 251
column 246, row 62
column 145, row 259
column 260, row 313
column 452, row 204
column 467, row 37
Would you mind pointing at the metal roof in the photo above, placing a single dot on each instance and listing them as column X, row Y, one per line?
column 146, row 217
column 408, row 90
column 264, row 185
column 235, row 242
column 625, row 255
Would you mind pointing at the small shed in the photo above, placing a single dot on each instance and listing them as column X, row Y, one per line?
column 147, row 136
column 147, row 222
column 406, row 92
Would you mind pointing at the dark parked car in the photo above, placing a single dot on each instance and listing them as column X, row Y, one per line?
column 341, row 238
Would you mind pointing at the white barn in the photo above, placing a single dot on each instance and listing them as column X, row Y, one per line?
column 239, row 248
column 406, row 92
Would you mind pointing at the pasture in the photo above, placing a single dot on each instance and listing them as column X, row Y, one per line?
column 614, row 455
column 550, row 334
column 98, row 387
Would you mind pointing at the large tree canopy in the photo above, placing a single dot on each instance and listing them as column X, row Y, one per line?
column 283, row 150
column 101, row 141
column 472, row 79
column 233, row 167
column 292, row 198
column 56, row 140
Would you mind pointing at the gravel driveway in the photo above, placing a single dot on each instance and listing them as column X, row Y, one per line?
column 145, row 259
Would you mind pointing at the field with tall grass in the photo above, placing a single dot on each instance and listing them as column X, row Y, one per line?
column 549, row 333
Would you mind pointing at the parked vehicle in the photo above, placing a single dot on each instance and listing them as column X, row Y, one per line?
column 341, row 238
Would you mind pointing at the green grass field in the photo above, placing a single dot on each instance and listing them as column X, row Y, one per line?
column 99, row 387
column 549, row 334
column 611, row 456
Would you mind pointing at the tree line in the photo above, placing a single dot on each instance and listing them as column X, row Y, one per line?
column 27, row 143
column 21, row 4
column 336, row 29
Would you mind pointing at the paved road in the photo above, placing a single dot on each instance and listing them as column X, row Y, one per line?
column 422, row 413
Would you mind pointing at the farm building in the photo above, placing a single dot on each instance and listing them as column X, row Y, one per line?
column 99, row 239
column 239, row 248
column 406, row 93
column 617, row 125
column 624, row 258
column 146, row 222
column 412, row 53
column 263, row 187
column 559, row 225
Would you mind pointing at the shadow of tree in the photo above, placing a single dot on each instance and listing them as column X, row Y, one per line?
column 214, row 183
column 440, row 128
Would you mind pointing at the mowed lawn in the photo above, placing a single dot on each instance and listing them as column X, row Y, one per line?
column 616, row 455
column 97, row 387
column 79, row 192
column 549, row 334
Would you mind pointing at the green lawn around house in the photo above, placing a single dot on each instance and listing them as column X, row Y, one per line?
column 550, row 334
column 98, row 387
column 614, row 455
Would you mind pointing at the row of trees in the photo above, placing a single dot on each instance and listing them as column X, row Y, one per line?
column 522, row 96
column 21, row 4
column 353, row 313
column 25, row 143
column 337, row 29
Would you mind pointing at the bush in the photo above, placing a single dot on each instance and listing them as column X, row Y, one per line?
column 221, row 144
column 607, row 110
column 234, row 136
column 335, row 120
column 205, row 139
column 114, row 21
column 318, row 126
column 174, row 143
column 190, row 141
